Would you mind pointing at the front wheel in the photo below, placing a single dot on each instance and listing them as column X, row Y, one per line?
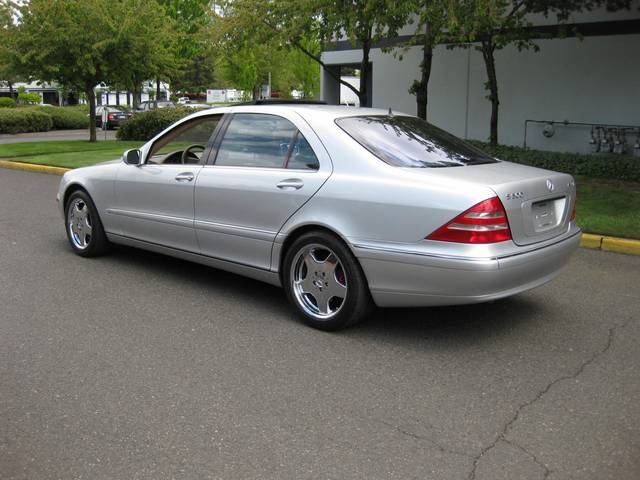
column 83, row 226
column 324, row 282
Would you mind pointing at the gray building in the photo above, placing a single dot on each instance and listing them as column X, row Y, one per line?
column 592, row 80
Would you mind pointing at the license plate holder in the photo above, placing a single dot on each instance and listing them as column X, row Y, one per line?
column 544, row 214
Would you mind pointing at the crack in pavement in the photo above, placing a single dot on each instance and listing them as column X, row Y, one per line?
column 541, row 393
column 547, row 470
column 408, row 433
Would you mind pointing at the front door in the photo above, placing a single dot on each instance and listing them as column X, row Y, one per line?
column 154, row 200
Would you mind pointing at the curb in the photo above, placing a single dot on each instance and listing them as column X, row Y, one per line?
column 610, row 244
column 33, row 167
column 588, row 240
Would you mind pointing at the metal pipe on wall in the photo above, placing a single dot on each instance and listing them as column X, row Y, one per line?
column 609, row 143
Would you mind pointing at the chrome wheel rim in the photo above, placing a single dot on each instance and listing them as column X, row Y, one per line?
column 319, row 281
column 79, row 223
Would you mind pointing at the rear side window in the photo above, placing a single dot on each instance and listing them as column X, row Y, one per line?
column 411, row 142
column 263, row 140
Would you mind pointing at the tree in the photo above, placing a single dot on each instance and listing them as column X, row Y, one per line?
column 195, row 74
column 304, row 70
column 7, row 68
column 431, row 22
column 250, row 52
column 193, row 68
column 498, row 23
column 302, row 24
column 82, row 43
column 361, row 22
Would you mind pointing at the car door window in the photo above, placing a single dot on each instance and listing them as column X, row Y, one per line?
column 256, row 140
column 301, row 156
column 193, row 135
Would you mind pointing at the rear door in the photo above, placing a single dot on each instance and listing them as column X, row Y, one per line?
column 263, row 169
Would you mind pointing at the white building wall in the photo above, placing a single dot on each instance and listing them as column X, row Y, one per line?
column 594, row 80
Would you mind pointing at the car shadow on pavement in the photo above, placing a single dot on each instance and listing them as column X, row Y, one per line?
column 462, row 324
column 470, row 324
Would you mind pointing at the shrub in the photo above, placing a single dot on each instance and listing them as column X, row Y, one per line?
column 28, row 98
column 23, row 120
column 81, row 107
column 66, row 118
column 6, row 102
column 146, row 125
column 617, row 167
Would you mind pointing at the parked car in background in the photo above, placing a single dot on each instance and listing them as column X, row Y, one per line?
column 183, row 100
column 196, row 106
column 114, row 116
column 344, row 207
column 154, row 104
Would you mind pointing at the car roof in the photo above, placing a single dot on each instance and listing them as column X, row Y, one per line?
column 306, row 110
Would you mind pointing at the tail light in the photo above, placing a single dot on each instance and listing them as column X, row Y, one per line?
column 485, row 222
column 111, row 116
column 573, row 211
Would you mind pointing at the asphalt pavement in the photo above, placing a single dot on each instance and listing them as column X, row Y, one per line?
column 138, row 366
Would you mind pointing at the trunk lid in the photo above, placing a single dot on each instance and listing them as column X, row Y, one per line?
column 538, row 202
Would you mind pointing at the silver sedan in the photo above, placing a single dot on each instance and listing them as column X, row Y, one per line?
column 345, row 208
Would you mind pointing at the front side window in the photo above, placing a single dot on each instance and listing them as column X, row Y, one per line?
column 186, row 143
column 411, row 142
column 262, row 140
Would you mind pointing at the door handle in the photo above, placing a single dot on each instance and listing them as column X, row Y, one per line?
column 185, row 177
column 290, row 184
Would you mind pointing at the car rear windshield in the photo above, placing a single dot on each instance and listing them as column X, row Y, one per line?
column 411, row 142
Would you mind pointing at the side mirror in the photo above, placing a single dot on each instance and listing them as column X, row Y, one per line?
column 131, row 157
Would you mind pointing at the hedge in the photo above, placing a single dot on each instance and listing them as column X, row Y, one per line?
column 146, row 125
column 66, row 118
column 23, row 120
column 6, row 102
column 617, row 167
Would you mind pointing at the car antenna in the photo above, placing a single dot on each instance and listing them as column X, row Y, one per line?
column 390, row 112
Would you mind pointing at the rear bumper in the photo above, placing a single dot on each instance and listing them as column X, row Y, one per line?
column 402, row 279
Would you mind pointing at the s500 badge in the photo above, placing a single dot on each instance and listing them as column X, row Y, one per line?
column 514, row 195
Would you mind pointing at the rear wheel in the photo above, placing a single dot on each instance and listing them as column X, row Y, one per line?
column 83, row 226
column 324, row 282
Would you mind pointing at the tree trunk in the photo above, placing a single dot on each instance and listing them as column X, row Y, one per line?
column 137, row 96
column 10, row 88
column 492, row 85
column 365, row 73
column 157, row 89
column 91, row 98
column 421, row 88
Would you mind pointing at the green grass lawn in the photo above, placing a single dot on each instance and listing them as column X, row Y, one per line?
column 607, row 207
column 65, row 153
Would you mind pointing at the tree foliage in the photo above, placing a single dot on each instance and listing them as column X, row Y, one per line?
column 361, row 22
column 82, row 43
column 251, row 50
column 8, row 74
column 194, row 59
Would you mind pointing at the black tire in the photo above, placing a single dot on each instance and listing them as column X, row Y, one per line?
column 83, row 226
column 304, row 288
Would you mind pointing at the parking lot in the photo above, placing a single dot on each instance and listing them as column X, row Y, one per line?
column 138, row 366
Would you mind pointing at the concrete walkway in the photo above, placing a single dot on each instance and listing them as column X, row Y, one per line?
column 56, row 135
